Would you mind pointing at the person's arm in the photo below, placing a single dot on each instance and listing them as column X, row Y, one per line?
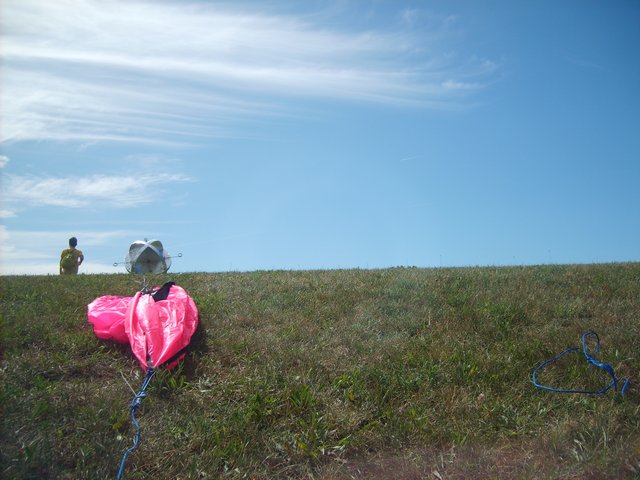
column 80, row 259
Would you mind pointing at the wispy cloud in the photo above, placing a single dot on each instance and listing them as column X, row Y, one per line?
column 21, row 241
column 159, row 72
column 585, row 63
column 37, row 252
column 408, row 159
column 76, row 192
column 4, row 213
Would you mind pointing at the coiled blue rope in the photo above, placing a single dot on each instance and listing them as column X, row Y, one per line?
column 591, row 359
column 135, row 404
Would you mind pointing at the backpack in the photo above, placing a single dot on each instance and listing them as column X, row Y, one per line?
column 68, row 262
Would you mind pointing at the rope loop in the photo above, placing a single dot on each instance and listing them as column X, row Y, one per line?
column 591, row 359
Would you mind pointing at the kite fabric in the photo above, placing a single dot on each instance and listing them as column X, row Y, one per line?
column 158, row 324
column 147, row 256
column 107, row 315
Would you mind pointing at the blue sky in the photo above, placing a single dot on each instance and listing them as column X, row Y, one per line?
column 252, row 135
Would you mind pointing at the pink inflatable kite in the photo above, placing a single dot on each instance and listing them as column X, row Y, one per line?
column 158, row 323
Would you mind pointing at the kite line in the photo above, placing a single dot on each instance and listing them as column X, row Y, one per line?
column 135, row 404
column 591, row 359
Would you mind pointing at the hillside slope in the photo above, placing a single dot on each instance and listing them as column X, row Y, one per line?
column 397, row 373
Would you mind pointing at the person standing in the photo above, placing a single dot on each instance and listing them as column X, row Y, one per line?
column 71, row 258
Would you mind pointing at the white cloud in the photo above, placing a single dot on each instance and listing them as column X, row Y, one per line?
column 3, row 161
column 76, row 192
column 51, row 268
column 160, row 72
column 455, row 85
column 37, row 252
column 20, row 243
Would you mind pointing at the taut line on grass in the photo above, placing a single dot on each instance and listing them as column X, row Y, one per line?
column 135, row 404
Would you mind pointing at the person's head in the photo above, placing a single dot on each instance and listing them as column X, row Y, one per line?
column 73, row 241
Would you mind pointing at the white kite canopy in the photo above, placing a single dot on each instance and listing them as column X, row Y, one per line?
column 147, row 256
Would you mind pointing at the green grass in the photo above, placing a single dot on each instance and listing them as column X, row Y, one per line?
column 398, row 373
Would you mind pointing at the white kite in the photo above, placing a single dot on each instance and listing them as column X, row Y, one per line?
column 147, row 256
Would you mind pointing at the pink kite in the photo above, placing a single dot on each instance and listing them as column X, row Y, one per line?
column 158, row 323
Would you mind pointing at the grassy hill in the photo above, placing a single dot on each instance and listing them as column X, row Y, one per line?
column 397, row 373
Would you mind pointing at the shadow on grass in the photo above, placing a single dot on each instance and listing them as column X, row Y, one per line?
column 198, row 348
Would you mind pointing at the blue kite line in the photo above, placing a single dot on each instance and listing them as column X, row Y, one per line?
column 591, row 359
column 135, row 404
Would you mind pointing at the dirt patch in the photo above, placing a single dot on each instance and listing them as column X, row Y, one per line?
column 470, row 462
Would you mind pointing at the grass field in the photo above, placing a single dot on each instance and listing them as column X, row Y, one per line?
column 400, row 373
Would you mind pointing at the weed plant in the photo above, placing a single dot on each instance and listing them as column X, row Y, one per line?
column 395, row 373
